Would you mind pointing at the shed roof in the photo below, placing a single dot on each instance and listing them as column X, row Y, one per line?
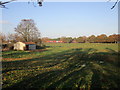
column 29, row 42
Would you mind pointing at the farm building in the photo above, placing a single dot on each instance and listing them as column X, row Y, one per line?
column 24, row 46
column 19, row 46
column 54, row 41
column 30, row 45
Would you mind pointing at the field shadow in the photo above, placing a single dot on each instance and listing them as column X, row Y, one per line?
column 96, row 80
column 13, row 54
column 67, row 69
column 111, row 50
column 22, row 54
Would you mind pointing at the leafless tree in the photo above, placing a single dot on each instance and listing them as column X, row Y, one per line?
column 28, row 30
column 114, row 4
column 14, row 37
column 39, row 2
column 2, row 37
column 3, row 4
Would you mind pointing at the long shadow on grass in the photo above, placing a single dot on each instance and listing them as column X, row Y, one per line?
column 96, row 80
column 74, row 68
column 10, row 54
column 49, row 60
column 19, row 54
column 37, row 81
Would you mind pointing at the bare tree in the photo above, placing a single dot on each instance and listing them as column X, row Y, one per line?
column 2, row 37
column 39, row 2
column 14, row 37
column 114, row 4
column 3, row 4
column 45, row 39
column 28, row 30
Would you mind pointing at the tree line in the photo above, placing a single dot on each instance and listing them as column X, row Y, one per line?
column 15, row 37
column 103, row 38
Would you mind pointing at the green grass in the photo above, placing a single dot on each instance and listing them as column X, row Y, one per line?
column 63, row 65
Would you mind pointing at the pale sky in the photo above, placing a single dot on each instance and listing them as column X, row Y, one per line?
column 57, row 19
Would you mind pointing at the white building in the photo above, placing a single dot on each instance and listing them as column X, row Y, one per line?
column 24, row 46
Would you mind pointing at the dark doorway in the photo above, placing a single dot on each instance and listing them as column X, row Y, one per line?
column 27, row 47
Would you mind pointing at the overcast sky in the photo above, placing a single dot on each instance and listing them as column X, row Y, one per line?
column 57, row 19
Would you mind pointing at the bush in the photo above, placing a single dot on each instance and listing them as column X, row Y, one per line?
column 42, row 46
column 10, row 46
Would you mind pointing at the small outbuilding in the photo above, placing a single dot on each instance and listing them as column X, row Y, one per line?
column 30, row 45
column 24, row 46
column 19, row 46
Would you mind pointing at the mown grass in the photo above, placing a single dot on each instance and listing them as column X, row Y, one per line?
column 63, row 65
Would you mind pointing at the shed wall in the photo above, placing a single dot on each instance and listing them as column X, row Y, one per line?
column 32, row 47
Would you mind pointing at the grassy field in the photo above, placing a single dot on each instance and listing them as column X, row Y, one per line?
column 63, row 65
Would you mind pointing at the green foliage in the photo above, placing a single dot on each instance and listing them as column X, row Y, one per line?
column 101, row 38
column 80, row 40
column 91, row 39
column 115, row 38
column 67, row 39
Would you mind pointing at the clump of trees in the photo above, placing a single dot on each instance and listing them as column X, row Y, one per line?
column 101, row 38
column 66, row 39
column 91, row 39
column 115, row 38
column 80, row 39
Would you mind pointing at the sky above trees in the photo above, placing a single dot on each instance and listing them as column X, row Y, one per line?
column 57, row 19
